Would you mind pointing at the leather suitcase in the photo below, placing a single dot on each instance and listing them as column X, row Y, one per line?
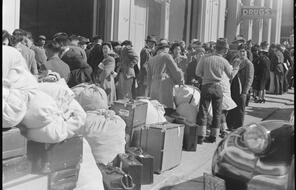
column 133, row 112
column 190, row 134
column 115, row 179
column 50, row 157
column 13, row 143
column 65, row 179
column 164, row 142
column 16, row 167
column 29, row 181
column 146, row 160
column 130, row 165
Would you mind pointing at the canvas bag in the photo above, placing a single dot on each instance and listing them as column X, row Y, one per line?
column 105, row 132
column 14, row 106
column 90, row 96
column 185, row 94
column 155, row 110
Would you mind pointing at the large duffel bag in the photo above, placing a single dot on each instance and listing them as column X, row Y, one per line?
column 13, row 143
column 186, row 94
column 50, row 157
column 105, row 133
column 90, row 96
column 164, row 142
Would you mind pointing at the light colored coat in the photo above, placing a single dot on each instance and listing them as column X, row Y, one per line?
column 163, row 74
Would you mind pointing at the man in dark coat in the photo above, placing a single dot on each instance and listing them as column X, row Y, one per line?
column 287, row 66
column 75, row 57
column 145, row 54
column 244, row 77
column 128, row 60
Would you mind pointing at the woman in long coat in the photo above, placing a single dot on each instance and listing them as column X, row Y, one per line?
column 163, row 73
column 107, row 74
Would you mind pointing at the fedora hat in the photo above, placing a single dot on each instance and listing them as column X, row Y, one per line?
column 41, row 37
column 162, row 44
column 222, row 43
column 151, row 39
column 239, row 39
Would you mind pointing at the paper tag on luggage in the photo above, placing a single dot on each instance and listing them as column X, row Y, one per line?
column 123, row 112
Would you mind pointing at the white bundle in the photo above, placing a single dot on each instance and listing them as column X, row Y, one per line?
column 155, row 111
column 186, row 94
column 105, row 132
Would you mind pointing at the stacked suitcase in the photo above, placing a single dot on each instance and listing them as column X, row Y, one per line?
column 60, row 161
column 133, row 112
column 14, row 159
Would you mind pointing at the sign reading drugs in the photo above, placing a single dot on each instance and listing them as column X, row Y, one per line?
column 256, row 12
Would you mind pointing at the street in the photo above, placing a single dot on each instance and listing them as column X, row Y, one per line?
column 190, row 172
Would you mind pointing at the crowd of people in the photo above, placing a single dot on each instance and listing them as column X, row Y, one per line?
column 227, row 74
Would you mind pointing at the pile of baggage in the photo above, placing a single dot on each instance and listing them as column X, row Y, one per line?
column 71, row 139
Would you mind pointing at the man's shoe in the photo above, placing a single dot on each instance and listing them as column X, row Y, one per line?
column 200, row 139
column 210, row 139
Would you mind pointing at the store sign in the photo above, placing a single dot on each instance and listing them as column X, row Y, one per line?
column 256, row 12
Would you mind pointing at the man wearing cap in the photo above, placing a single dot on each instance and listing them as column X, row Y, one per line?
column 145, row 54
column 128, row 60
column 162, row 75
column 211, row 68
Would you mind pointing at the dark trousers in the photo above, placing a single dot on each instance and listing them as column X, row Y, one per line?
column 235, row 117
column 285, row 82
column 209, row 93
column 279, row 83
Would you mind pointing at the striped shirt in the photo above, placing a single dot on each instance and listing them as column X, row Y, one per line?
column 211, row 68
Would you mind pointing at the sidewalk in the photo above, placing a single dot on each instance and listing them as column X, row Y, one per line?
column 194, row 164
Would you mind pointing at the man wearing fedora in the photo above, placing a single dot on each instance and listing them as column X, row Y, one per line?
column 163, row 73
column 211, row 68
column 128, row 60
column 145, row 54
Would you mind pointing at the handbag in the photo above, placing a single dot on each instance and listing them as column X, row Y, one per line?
column 115, row 179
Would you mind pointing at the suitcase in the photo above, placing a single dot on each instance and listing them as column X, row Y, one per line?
column 133, row 112
column 50, row 157
column 190, row 134
column 30, row 181
column 16, row 167
column 115, row 179
column 164, row 142
column 65, row 179
column 146, row 160
column 130, row 165
column 13, row 143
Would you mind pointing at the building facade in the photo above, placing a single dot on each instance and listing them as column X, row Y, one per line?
column 205, row 20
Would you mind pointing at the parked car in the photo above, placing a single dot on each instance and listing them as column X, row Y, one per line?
column 257, row 156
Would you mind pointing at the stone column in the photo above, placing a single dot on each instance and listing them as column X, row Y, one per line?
column 246, row 24
column 165, row 19
column 267, row 23
column 276, row 21
column 232, row 19
column 258, row 24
